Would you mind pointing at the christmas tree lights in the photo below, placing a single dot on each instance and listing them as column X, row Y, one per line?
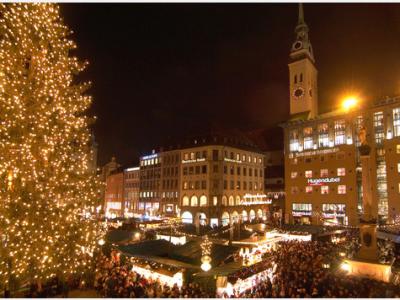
column 46, row 187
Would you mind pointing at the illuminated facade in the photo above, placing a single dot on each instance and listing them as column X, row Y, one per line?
column 114, row 195
column 131, row 190
column 322, row 164
column 222, row 184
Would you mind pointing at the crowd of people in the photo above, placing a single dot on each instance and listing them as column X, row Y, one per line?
column 115, row 279
column 302, row 270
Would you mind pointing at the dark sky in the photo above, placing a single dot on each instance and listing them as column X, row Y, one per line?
column 167, row 70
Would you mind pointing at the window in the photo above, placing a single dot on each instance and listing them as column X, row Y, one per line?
column 309, row 189
column 323, row 135
column 250, row 172
column 215, row 155
column 250, row 185
column 302, row 207
column 225, row 170
column 231, row 186
column 249, row 158
column 237, row 156
column 256, row 172
column 308, row 138
column 185, row 185
column 204, row 169
column 197, row 185
column 396, row 121
column 225, row 184
column 308, row 174
column 301, row 77
column 340, row 128
column 197, row 169
column 185, row 171
column 232, row 170
column 398, row 149
column 191, row 170
column 192, row 155
column 238, row 170
column 204, row 154
column 255, row 160
column 378, row 127
column 341, row 189
column 215, row 201
column 293, row 175
column 294, row 189
column 294, row 141
column 324, row 189
column 203, row 185
column 185, row 201
column 341, row 172
column 238, row 185
column 295, row 78
column 244, row 185
column 244, row 171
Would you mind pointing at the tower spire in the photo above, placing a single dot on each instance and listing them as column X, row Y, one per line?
column 302, row 45
column 301, row 14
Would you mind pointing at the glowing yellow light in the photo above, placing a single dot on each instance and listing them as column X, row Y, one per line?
column 349, row 103
column 345, row 266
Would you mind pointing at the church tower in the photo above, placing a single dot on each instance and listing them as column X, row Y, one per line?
column 303, row 73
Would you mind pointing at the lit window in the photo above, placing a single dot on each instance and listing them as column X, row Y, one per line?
column 396, row 121
column 293, row 175
column 309, row 189
column 185, row 185
column 323, row 135
column 308, row 138
column 249, row 158
column 341, row 172
column 243, row 157
column 398, row 167
column 260, row 161
column 341, row 189
column 324, row 173
column 294, row 161
column 255, row 160
column 340, row 128
column 294, row 141
column 398, row 149
column 308, row 174
column 324, row 189
column 237, row 156
column 192, row 155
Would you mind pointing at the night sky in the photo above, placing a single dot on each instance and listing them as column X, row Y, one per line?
column 168, row 70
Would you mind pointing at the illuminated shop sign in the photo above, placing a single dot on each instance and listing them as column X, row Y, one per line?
column 317, row 152
column 333, row 215
column 132, row 169
column 253, row 199
column 301, row 213
column 233, row 160
column 193, row 160
column 322, row 181
column 150, row 156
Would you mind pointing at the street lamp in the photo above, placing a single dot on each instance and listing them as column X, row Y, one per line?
column 349, row 103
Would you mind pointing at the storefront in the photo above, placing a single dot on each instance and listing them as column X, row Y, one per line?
column 301, row 213
column 334, row 214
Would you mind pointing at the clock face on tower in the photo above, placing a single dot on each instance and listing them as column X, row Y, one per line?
column 298, row 92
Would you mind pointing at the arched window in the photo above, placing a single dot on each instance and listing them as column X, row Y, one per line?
column 259, row 214
column 235, row 217
column 244, row 215
column 224, row 201
column 185, row 201
column 203, row 201
column 187, row 217
column 237, row 200
column 252, row 215
column 301, row 77
column 231, row 201
column 295, row 78
column 225, row 219
column 194, row 201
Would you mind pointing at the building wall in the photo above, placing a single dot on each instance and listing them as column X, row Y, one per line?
column 336, row 147
column 131, row 189
column 114, row 195
column 170, row 182
column 215, row 181
column 150, row 183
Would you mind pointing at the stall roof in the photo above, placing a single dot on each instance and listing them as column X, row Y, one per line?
column 150, row 248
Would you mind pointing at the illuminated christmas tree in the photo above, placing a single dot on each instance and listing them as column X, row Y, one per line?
column 46, row 189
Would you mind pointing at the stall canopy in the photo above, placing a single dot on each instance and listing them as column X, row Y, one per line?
column 150, row 248
column 119, row 236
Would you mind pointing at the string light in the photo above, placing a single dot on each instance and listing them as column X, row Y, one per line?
column 44, row 148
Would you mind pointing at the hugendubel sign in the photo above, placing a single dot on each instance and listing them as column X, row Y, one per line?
column 322, row 181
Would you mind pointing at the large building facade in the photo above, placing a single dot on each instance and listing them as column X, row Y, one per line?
column 322, row 163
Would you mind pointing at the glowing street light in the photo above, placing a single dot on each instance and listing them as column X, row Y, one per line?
column 349, row 103
column 101, row 242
